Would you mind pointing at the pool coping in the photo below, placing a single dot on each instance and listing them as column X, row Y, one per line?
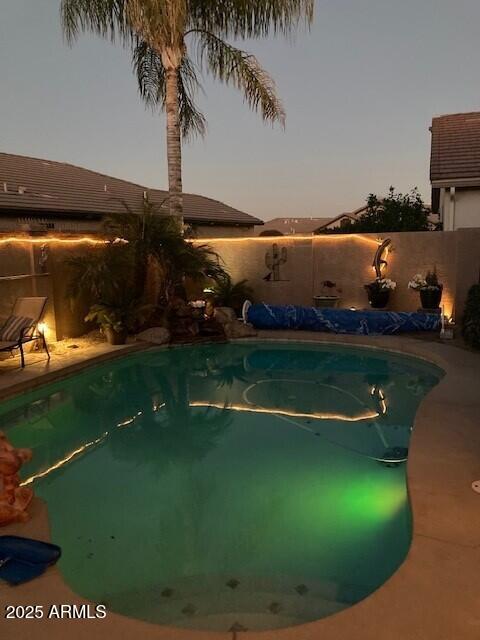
column 34, row 381
column 433, row 595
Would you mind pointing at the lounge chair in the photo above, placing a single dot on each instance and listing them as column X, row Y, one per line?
column 22, row 326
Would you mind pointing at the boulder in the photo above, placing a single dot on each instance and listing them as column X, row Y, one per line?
column 155, row 335
column 238, row 329
column 233, row 328
column 224, row 315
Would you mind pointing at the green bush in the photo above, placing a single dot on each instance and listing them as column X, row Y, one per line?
column 395, row 212
column 229, row 294
column 471, row 318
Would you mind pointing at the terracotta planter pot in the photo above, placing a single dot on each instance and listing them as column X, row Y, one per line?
column 430, row 298
column 378, row 299
column 115, row 337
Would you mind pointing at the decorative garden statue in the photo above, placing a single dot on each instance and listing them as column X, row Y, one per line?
column 14, row 499
column 379, row 261
column 274, row 259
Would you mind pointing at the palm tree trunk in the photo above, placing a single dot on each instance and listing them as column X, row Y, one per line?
column 174, row 145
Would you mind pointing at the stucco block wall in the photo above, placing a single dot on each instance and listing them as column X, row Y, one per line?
column 17, row 260
column 418, row 253
column 63, row 318
column 69, row 313
column 467, row 265
column 347, row 260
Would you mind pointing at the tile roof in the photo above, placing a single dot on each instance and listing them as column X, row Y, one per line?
column 334, row 220
column 44, row 186
column 455, row 148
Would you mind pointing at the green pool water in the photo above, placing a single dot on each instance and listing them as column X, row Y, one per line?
column 237, row 486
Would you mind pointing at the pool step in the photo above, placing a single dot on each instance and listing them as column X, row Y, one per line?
column 257, row 614
column 220, row 604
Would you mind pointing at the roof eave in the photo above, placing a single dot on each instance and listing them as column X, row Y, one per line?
column 50, row 213
column 227, row 223
column 71, row 213
column 456, row 182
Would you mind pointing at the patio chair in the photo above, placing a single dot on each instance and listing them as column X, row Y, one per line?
column 22, row 326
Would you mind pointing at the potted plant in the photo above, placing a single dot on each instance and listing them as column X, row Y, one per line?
column 329, row 297
column 379, row 292
column 429, row 287
column 117, row 320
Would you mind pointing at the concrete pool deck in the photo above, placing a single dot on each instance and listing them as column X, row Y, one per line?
column 434, row 595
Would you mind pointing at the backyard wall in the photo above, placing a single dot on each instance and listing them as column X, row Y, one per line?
column 347, row 260
column 28, row 270
column 343, row 259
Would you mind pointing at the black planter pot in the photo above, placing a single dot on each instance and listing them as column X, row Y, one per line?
column 378, row 299
column 431, row 298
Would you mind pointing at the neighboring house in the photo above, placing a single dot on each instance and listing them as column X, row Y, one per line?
column 290, row 226
column 305, row 226
column 54, row 196
column 340, row 221
column 455, row 170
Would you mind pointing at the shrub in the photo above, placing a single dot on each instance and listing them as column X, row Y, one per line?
column 395, row 212
column 471, row 318
column 229, row 294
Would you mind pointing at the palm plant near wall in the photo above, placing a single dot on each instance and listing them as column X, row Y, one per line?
column 153, row 236
column 113, row 280
column 105, row 279
column 231, row 294
column 100, row 274
column 169, row 38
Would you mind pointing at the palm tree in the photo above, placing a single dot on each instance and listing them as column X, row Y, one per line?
column 168, row 35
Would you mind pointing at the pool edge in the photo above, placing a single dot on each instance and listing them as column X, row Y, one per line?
column 432, row 594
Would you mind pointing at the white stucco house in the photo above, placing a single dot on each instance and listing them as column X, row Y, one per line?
column 455, row 170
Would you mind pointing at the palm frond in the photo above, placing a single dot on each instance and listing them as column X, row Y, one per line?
column 230, row 294
column 192, row 120
column 251, row 18
column 106, row 18
column 242, row 70
column 151, row 80
column 103, row 275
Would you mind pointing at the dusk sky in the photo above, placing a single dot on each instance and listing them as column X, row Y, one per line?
column 360, row 90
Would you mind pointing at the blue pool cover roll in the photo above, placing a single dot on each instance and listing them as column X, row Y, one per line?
column 266, row 316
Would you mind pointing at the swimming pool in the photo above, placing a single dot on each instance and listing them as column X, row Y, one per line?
column 238, row 486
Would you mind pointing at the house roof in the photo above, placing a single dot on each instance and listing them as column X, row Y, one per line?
column 292, row 226
column 44, row 186
column 334, row 220
column 352, row 215
column 455, row 157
